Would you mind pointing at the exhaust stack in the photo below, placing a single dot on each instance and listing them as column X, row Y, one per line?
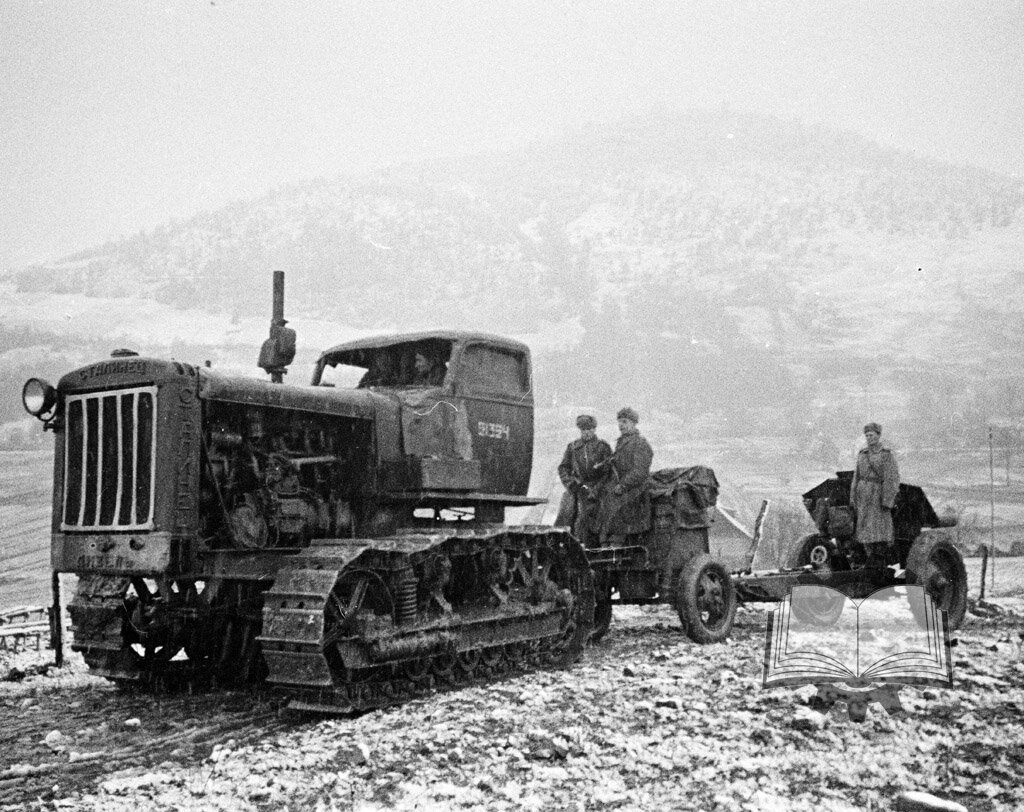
column 278, row 351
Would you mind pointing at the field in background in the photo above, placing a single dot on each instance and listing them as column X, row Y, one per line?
column 26, row 479
column 1005, row 576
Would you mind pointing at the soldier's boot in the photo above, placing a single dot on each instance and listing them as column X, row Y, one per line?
column 878, row 555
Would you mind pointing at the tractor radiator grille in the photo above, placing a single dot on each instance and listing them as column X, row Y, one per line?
column 109, row 464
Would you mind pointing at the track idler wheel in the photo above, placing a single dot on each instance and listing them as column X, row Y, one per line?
column 162, row 633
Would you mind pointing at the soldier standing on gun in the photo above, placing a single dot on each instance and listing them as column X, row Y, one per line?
column 582, row 471
column 876, row 481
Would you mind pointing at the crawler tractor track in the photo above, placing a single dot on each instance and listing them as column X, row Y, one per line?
column 360, row 624
column 351, row 624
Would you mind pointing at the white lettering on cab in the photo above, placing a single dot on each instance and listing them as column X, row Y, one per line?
column 498, row 431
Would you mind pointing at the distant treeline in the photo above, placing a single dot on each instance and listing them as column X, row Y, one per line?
column 517, row 241
column 649, row 244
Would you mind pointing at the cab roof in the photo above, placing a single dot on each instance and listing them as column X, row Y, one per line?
column 458, row 336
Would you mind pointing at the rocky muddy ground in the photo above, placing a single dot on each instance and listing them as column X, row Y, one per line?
column 647, row 720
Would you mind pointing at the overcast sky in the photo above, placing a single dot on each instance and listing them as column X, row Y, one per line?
column 117, row 116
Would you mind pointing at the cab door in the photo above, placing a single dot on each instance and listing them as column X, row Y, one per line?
column 493, row 383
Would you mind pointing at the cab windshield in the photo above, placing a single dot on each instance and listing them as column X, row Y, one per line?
column 411, row 364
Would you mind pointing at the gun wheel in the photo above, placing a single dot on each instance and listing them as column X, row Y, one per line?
column 819, row 552
column 935, row 564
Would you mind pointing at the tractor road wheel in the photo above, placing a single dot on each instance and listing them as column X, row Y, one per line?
column 706, row 600
column 602, row 616
column 935, row 564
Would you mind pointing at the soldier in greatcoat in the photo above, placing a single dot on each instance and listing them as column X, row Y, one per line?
column 876, row 481
column 583, row 470
column 625, row 510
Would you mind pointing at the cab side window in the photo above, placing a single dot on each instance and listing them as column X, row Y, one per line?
column 492, row 371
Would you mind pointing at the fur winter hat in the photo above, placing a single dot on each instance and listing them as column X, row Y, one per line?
column 629, row 413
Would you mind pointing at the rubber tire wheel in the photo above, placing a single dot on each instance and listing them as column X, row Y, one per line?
column 936, row 564
column 602, row 618
column 700, row 580
column 803, row 549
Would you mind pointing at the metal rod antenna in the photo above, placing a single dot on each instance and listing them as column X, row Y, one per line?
column 992, row 505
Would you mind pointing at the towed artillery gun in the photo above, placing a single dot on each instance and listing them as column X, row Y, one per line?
column 923, row 553
column 670, row 562
column 345, row 544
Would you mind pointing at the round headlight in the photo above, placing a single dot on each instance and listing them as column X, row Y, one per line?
column 38, row 397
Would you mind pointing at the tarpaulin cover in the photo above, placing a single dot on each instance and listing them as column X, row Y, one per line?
column 690, row 491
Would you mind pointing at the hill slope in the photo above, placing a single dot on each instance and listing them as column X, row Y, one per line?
column 749, row 270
